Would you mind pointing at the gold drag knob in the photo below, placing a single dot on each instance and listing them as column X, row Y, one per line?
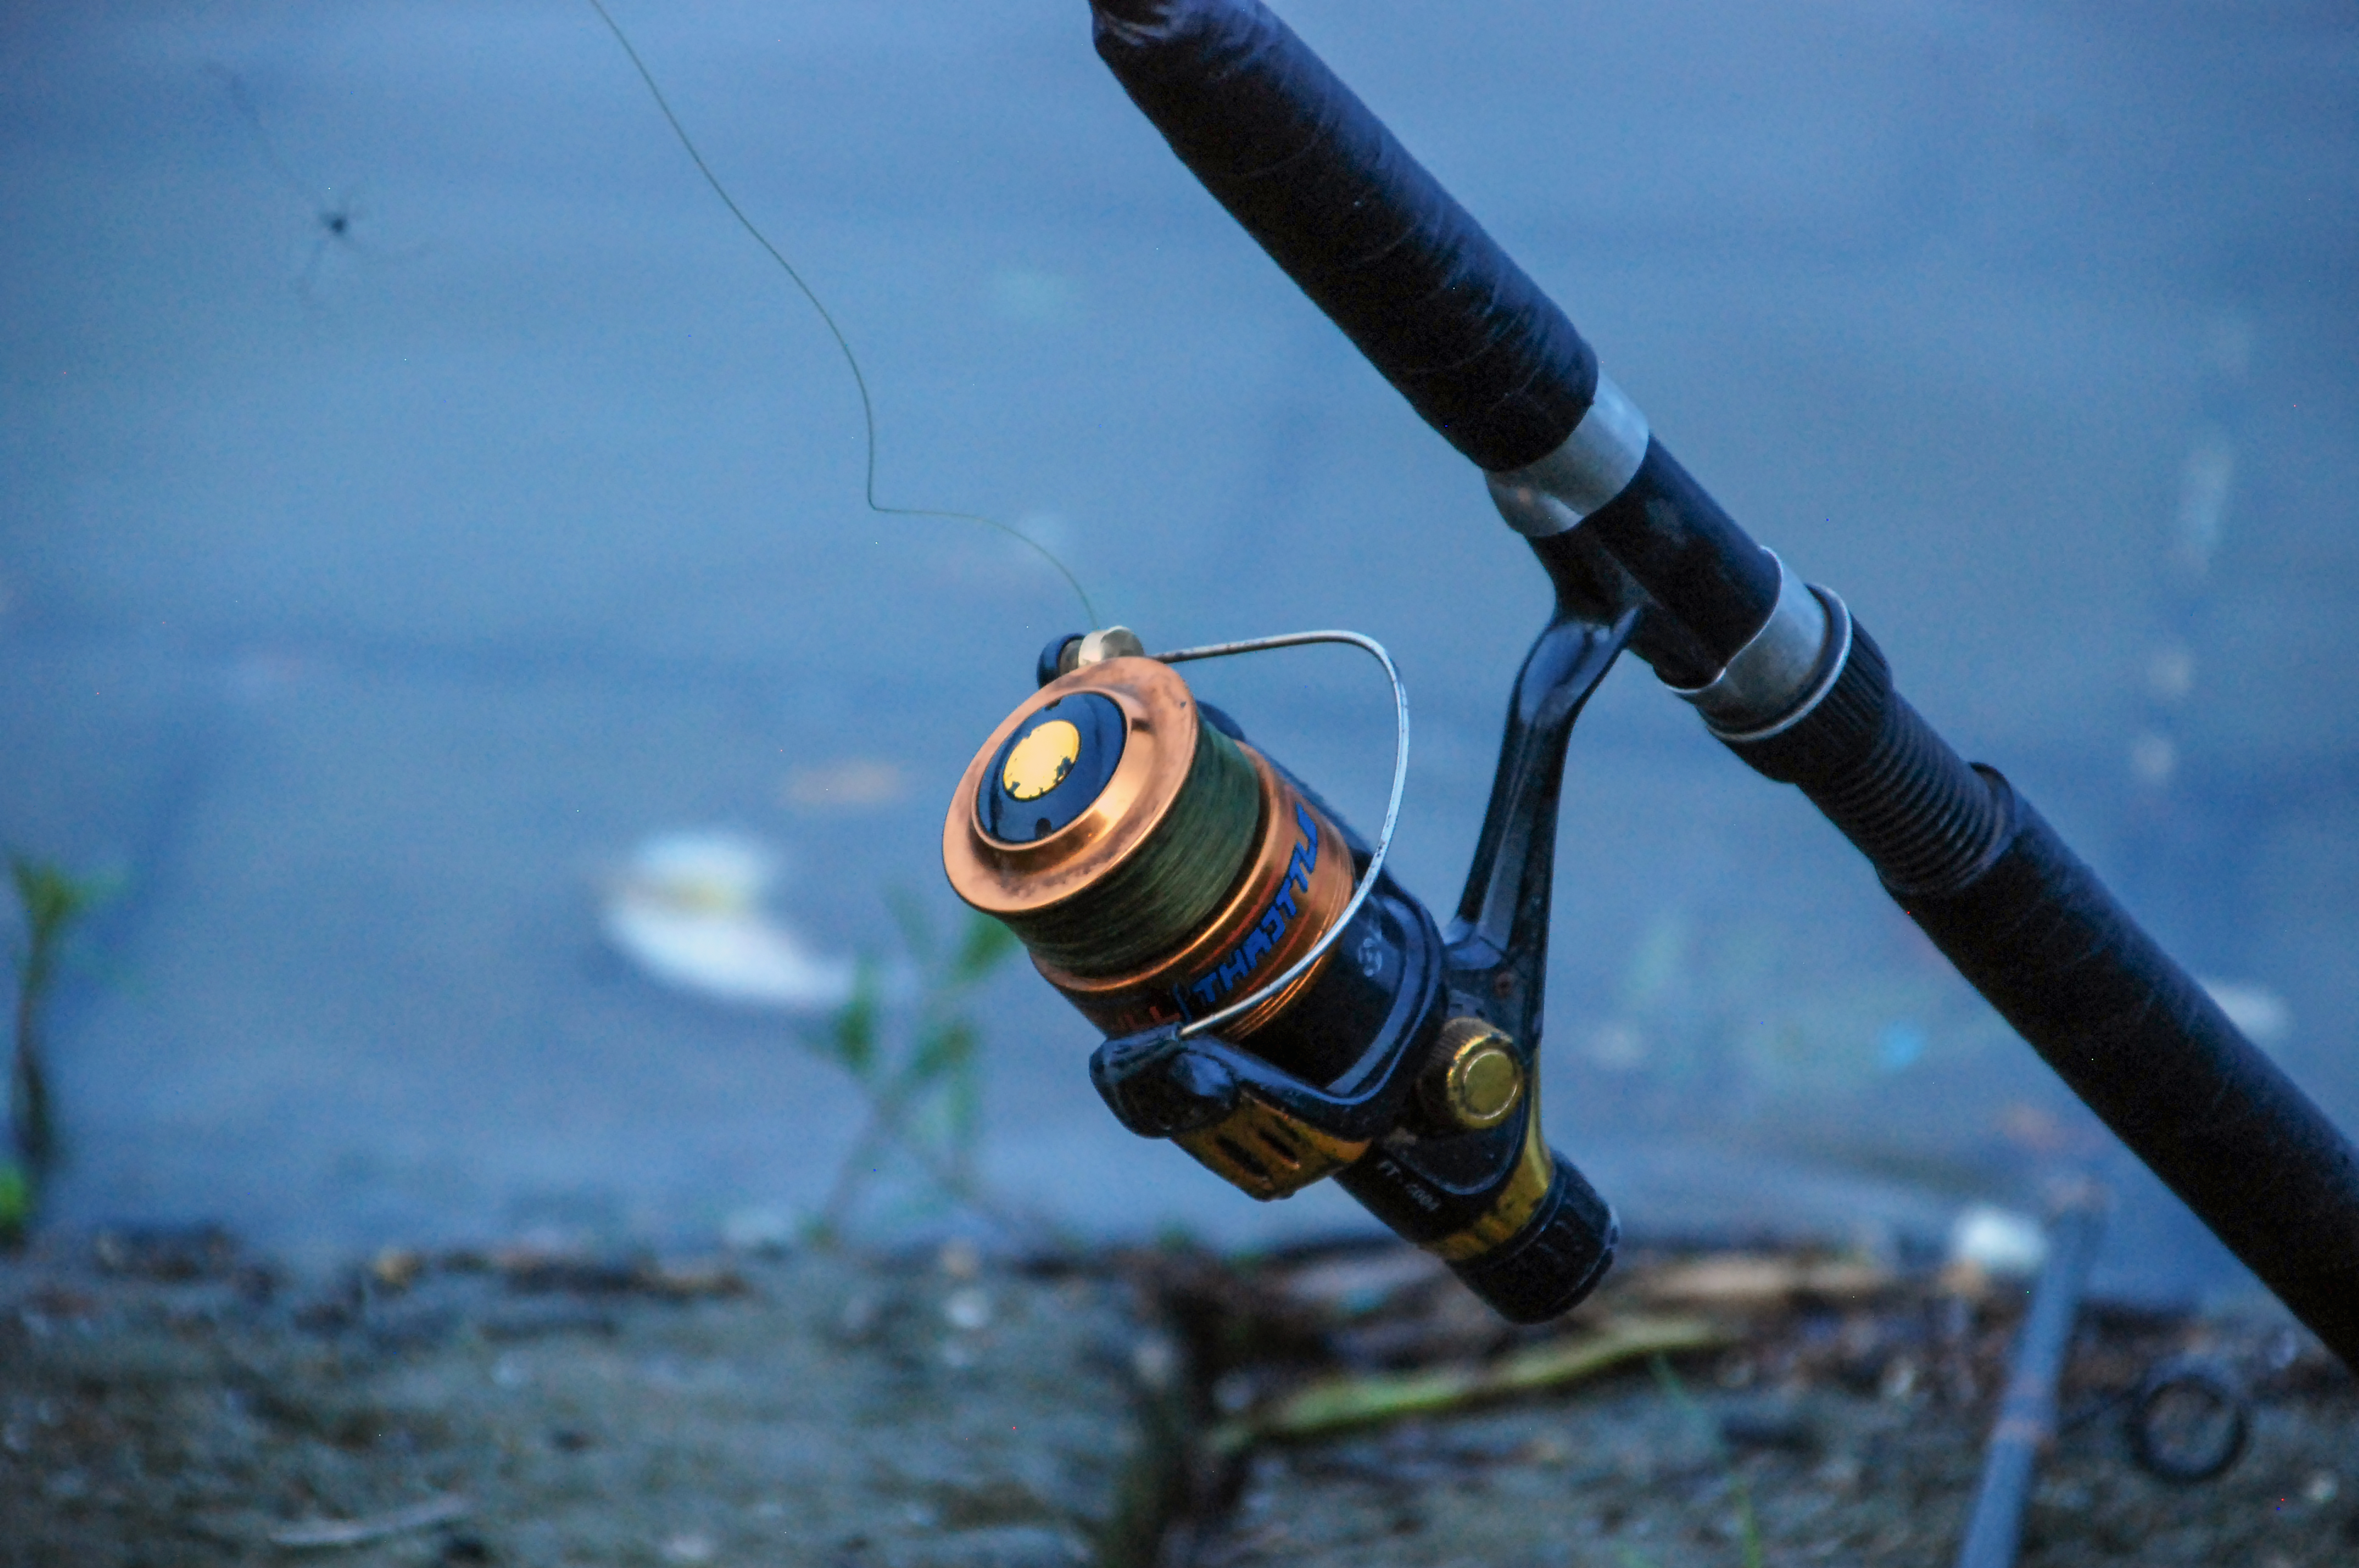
column 1474, row 1080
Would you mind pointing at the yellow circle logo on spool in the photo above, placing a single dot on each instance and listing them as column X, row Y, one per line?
column 1041, row 760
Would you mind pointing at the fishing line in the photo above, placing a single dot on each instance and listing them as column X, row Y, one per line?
column 867, row 406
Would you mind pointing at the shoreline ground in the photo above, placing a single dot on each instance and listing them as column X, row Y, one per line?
column 170, row 1399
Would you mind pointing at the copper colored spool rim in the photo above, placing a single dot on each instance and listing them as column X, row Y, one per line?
column 1139, row 999
column 1159, row 748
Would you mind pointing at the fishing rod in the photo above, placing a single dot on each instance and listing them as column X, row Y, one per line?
column 1115, row 895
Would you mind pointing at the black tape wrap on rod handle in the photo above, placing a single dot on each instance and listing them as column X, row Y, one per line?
column 1374, row 240
column 2150, row 1051
column 2033, row 929
column 1485, row 357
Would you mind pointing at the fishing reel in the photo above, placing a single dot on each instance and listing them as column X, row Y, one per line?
column 1275, row 1001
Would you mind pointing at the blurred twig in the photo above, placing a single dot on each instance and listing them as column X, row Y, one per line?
column 1336, row 1405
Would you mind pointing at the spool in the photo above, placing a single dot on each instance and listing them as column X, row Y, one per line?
column 1154, row 867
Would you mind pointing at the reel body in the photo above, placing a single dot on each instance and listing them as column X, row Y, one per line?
column 1163, row 872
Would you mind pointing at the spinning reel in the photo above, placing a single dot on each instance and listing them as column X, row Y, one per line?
column 1275, row 1002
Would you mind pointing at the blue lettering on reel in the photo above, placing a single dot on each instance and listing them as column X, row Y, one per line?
column 1215, row 985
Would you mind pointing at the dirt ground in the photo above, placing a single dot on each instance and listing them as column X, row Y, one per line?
column 166, row 1401
column 179, row 1405
column 1840, row 1420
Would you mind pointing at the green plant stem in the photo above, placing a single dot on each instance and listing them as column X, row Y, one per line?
column 29, row 1119
column 883, row 1126
column 1748, row 1523
column 883, row 1121
column 936, row 1067
column 886, row 1107
column 51, row 902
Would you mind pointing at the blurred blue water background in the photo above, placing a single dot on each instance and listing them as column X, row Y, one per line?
column 365, row 595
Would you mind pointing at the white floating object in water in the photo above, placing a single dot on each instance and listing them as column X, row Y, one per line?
column 2259, row 1012
column 688, row 910
column 1997, row 1241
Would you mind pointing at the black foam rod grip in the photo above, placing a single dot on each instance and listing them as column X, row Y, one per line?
column 1374, row 240
column 2152, row 1053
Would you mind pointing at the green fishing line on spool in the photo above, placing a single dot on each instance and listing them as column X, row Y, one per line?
column 1159, row 897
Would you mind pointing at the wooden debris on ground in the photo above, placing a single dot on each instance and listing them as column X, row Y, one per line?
column 1340, row 1403
column 328, row 1532
column 1756, row 1281
column 539, row 1271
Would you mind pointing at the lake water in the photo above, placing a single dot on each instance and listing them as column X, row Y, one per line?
column 419, row 493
